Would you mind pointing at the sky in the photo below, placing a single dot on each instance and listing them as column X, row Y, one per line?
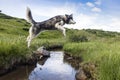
column 88, row 14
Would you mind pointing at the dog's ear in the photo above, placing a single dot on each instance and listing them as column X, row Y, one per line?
column 71, row 15
column 67, row 15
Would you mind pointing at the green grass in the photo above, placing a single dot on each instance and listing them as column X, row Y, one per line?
column 105, row 55
column 97, row 46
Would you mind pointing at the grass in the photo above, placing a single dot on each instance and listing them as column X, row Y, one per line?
column 94, row 46
column 110, row 66
column 105, row 55
column 12, row 49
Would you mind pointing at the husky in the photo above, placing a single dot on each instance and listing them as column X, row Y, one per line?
column 54, row 23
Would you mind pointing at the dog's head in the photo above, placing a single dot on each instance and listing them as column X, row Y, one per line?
column 69, row 19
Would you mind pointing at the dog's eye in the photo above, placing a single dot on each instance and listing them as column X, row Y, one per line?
column 70, row 18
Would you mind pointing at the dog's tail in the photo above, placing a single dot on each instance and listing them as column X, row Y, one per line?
column 29, row 16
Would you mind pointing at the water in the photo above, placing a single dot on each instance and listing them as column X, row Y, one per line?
column 54, row 68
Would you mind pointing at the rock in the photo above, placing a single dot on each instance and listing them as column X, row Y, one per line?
column 41, row 52
column 89, row 70
column 69, row 58
column 80, row 75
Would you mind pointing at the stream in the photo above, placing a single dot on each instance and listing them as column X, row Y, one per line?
column 56, row 67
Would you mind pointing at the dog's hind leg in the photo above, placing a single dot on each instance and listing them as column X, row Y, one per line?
column 31, row 36
column 33, row 32
column 29, row 39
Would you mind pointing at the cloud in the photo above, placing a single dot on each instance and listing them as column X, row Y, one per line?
column 115, row 22
column 14, row 8
column 96, row 9
column 112, row 24
column 98, row 2
column 89, row 4
column 49, row 11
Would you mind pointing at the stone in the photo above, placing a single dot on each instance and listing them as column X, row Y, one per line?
column 41, row 52
column 80, row 75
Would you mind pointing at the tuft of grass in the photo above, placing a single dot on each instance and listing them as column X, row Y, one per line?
column 109, row 68
column 12, row 49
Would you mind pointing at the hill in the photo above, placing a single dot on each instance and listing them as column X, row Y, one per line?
column 93, row 46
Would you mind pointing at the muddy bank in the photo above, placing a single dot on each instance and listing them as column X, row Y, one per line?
column 10, row 63
column 15, row 62
column 85, row 71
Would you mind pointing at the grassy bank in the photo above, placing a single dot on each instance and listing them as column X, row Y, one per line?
column 101, row 49
column 94, row 46
column 105, row 55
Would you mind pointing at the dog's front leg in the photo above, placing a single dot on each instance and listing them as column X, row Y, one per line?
column 59, row 27
column 63, row 31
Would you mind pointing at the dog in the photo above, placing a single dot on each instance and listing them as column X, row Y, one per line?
column 54, row 23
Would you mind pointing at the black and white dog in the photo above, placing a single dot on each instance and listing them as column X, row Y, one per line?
column 53, row 23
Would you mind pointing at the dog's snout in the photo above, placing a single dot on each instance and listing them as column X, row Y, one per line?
column 74, row 22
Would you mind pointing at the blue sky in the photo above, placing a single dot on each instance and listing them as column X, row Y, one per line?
column 93, row 14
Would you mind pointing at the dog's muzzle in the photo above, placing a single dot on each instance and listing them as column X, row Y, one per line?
column 72, row 22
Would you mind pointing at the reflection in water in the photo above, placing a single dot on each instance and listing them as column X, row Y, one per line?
column 21, row 73
column 53, row 69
